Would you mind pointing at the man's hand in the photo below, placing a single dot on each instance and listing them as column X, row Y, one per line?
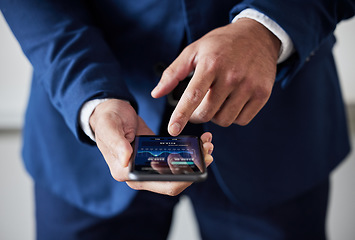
column 115, row 124
column 235, row 68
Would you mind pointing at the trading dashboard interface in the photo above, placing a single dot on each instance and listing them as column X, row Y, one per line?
column 167, row 155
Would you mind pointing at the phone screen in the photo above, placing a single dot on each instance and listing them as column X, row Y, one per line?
column 167, row 158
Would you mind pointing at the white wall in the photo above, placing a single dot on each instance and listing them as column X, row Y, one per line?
column 15, row 71
column 345, row 57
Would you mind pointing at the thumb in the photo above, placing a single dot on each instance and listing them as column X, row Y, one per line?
column 176, row 72
column 114, row 123
column 143, row 129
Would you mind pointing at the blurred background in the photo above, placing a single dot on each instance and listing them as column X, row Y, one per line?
column 16, row 198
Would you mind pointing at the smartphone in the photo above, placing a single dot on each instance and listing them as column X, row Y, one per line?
column 158, row 158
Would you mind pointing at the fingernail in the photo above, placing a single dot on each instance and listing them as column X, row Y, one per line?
column 210, row 151
column 175, row 129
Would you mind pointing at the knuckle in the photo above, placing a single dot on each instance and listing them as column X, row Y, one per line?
column 242, row 122
column 211, row 63
column 248, row 87
column 262, row 92
column 223, row 122
column 258, row 89
column 233, row 78
column 168, row 73
column 204, row 116
column 194, row 96
column 130, row 133
column 182, row 116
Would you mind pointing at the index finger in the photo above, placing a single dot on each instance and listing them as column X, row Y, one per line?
column 191, row 98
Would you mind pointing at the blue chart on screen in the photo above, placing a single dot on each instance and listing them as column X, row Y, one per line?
column 184, row 153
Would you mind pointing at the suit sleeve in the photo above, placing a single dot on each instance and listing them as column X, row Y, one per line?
column 308, row 23
column 69, row 55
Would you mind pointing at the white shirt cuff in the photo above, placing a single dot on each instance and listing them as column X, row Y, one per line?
column 286, row 48
column 85, row 114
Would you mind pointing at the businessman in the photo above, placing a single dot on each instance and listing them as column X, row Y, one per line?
column 264, row 84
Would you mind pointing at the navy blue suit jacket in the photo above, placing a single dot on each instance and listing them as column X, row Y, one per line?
column 81, row 50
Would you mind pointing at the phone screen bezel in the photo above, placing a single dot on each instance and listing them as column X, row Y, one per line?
column 136, row 175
